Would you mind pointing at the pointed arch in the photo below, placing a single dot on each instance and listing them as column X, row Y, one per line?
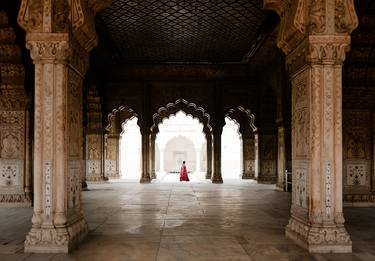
column 181, row 105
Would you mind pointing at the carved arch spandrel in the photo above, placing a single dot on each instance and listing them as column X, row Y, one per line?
column 181, row 105
column 122, row 114
column 244, row 117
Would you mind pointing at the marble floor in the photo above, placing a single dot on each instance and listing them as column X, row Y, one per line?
column 238, row 220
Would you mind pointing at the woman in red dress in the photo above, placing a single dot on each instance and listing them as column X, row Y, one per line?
column 183, row 173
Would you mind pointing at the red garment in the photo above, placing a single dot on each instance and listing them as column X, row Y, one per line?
column 183, row 174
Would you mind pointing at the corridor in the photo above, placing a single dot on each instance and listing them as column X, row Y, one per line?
column 238, row 220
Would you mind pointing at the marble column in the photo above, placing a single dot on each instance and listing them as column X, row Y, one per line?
column 112, row 154
column 315, row 40
column 15, row 150
column 57, row 222
column 248, row 148
column 216, row 175
column 146, row 178
column 209, row 156
column 60, row 50
column 94, row 138
column 267, row 157
column 152, row 155
column 281, row 159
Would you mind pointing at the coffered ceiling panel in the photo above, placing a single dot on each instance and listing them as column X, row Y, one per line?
column 214, row 31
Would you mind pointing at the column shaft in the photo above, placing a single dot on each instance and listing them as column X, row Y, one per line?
column 216, row 177
column 248, row 148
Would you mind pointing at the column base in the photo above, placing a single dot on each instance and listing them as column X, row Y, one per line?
column 208, row 175
column 319, row 239
column 153, row 175
column 217, row 180
column 247, row 176
column 15, row 200
column 145, row 180
column 96, row 179
column 266, row 180
column 280, row 186
column 56, row 239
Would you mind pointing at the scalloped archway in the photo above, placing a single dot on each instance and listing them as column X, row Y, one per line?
column 181, row 105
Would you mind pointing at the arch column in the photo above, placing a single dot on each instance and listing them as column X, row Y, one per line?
column 315, row 39
column 281, row 158
column 209, row 155
column 112, row 153
column 248, row 147
column 146, row 178
column 216, row 175
column 267, row 156
column 94, row 138
column 152, row 155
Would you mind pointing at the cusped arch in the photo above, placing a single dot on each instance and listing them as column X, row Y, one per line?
column 122, row 114
column 242, row 116
column 189, row 108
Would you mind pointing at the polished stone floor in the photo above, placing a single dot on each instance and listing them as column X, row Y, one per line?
column 238, row 220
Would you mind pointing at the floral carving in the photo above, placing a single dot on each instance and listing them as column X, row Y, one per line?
column 345, row 17
column 317, row 14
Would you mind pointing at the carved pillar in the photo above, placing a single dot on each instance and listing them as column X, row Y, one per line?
column 281, row 158
column 59, row 41
column 94, row 138
column 112, row 164
column 145, row 156
column 267, row 157
column 152, row 155
column 248, row 147
column 209, row 156
column 216, row 175
column 57, row 221
column 15, row 171
column 315, row 37
column 373, row 156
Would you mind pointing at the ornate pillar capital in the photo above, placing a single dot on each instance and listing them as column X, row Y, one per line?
column 59, row 17
column 318, row 50
column 48, row 48
column 302, row 18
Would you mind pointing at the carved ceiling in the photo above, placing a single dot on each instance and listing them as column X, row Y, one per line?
column 186, row 31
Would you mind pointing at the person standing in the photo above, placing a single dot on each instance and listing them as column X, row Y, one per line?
column 183, row 173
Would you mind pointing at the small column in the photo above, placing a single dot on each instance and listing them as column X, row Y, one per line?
column 216, row 177
column 209, row 156
column 281, row 159
column 145, row 156
column 152, row 155
column 248, row 156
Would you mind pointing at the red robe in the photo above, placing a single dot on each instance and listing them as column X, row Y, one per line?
column 183, row 174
